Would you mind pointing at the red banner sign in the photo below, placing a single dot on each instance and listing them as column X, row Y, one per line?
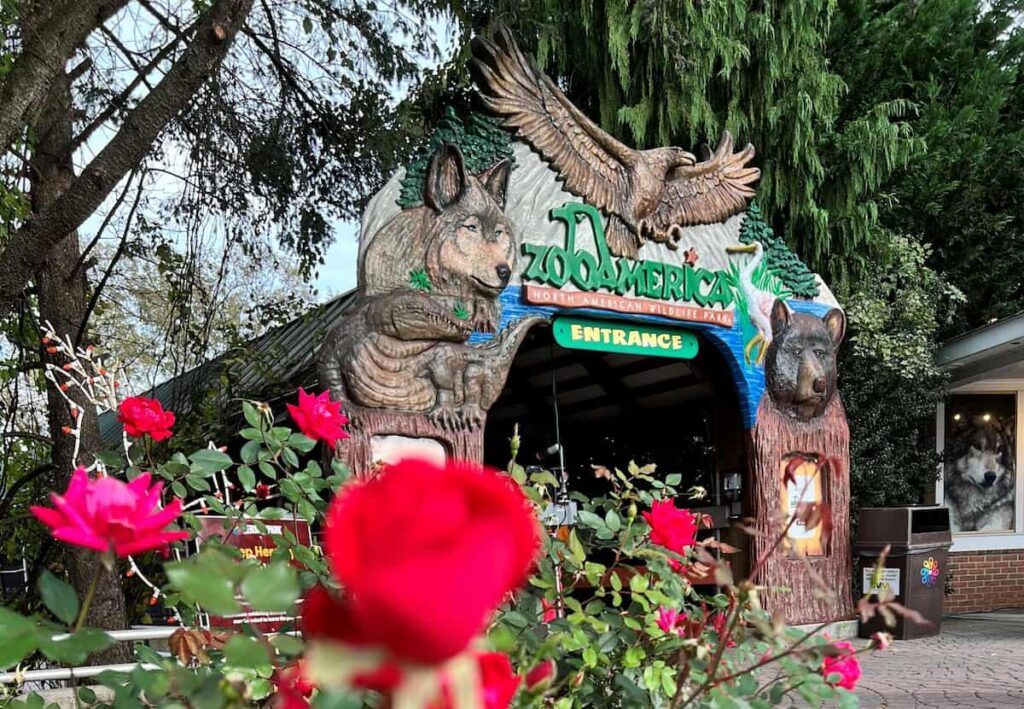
column 541, row 295
column 253, row 544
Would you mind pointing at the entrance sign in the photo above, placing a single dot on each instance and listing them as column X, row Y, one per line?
column 624, row 338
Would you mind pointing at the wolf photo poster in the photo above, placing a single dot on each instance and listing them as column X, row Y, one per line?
column 981, row 461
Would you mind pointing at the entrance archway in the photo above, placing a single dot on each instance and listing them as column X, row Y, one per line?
column 608, row 409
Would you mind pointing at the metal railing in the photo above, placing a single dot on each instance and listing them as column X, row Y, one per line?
column 68, row 673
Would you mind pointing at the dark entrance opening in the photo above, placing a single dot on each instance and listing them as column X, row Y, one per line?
column 682, row 415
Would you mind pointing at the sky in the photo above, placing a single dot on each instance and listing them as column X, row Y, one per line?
column 338, row 274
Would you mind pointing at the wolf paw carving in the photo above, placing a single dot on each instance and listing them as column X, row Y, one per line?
column 472, row 417
column 446, row 417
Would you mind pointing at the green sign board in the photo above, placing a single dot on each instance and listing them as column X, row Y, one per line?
column 625, row 338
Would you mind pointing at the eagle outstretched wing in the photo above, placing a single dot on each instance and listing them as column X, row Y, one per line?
column 589, row 160
column 710, row 191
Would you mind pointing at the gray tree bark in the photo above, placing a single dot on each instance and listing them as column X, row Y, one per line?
column 62, row 302
column 46, row 248
column 28, row 248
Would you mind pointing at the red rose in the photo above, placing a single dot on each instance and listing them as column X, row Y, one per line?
column 541, row 676
column 425, row 554
column 497, row 680
column 293, row 687
column 319, row 418
column 141, row 416
column 671, row 527
column 845, row 665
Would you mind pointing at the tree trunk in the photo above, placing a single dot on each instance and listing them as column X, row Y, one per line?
column 62, row 302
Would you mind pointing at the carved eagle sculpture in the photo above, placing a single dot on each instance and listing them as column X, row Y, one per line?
column 646, row 194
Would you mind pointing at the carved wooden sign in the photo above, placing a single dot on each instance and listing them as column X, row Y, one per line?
column 527, row 211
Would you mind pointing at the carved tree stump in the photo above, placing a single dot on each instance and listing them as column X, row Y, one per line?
column 774, row 437
column 357, row 450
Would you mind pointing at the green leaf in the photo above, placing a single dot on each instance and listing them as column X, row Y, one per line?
column 289, row 457
column 673, row 479
column 589, row 519
column 250, row 451
column 611, row 519
column 208, row 461
column 301, row 443
column 287, row 644
column 75, row 649
column 289, row 489
column 58, row 597
column 274, row 587
column 86, row 695
column 634, row 656
column 307, row 510
column 252, row 415
column 178, row 489
column 260, row 689
column 19, row 638
column 111, row 459
column 268, row 470
column 197, row 483
column 576, row 547
column 638, row 583
column 206, row 579
column 247, row 477
column 243, row 651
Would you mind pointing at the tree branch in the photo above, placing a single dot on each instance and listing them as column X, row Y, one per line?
column 121, row 99
column 29, row 435
column 103, row 226
column 8, row 498
column 110, row 267
column 45, row 50
column 28, row 247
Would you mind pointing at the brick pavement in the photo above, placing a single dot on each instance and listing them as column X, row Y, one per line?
column 977, row 661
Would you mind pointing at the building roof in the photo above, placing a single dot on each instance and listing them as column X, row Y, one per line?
column 994, row 351
column 270, row 366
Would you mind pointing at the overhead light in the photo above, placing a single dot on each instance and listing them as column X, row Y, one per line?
column 956, row 417
column 986, row 417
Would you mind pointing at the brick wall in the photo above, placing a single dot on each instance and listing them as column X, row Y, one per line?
column 986, row 580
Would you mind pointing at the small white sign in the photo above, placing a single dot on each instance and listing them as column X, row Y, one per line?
column 801, row 489
column 890, row 579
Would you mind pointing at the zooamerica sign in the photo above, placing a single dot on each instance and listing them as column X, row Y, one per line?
column 602, row 281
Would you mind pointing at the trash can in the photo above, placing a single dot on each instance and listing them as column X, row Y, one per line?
column 915, row 568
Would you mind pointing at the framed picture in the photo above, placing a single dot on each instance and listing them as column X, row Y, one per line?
column 980, row 461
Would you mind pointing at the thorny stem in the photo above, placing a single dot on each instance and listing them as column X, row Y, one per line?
column 89, row 595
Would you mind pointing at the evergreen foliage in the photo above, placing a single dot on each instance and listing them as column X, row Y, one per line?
column 659, row 72
column 780, row 259
column 482, row 140
column 958, row 62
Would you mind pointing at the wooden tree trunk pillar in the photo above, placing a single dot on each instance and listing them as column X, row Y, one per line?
column 357, row 450
column 775, row 439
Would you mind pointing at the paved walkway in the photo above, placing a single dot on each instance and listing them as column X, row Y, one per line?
column 977, row 661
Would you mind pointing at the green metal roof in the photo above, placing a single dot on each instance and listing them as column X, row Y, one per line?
column 269, row 367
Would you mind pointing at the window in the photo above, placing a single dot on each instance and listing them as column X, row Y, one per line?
column 979, row 477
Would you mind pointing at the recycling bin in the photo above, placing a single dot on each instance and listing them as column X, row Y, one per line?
column 915, row 567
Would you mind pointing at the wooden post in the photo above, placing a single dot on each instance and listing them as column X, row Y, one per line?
column 775, row 438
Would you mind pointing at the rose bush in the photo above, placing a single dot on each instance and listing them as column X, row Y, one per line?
column 436, row 588
column 108, row 515
column 141, row 416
